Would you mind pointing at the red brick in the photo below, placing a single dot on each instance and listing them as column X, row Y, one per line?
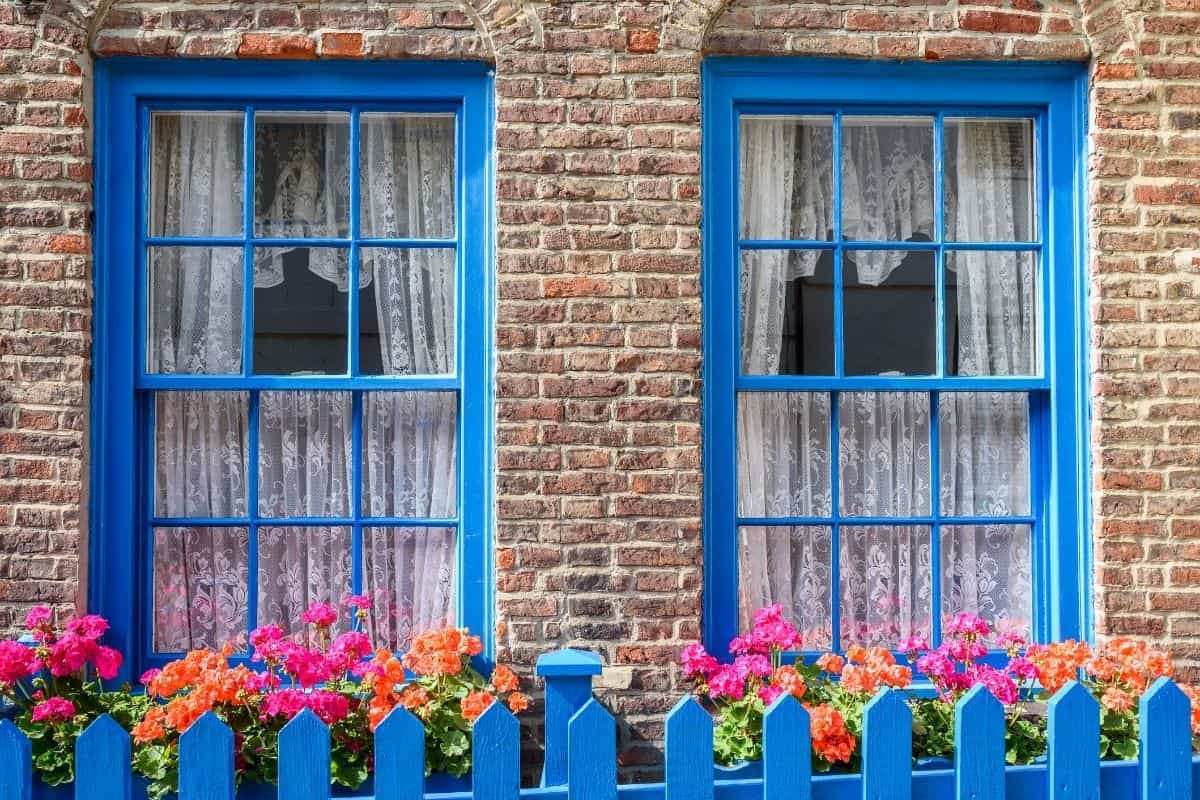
column 281, row 46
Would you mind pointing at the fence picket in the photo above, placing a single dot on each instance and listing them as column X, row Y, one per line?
column 102, row 761
column 400, row 757
column 1165, row 742
column 496, row 755
column 979, row 747
column 304, row 758
column 1073, row 752
column 16, row 768
column 592, row 754
column 206, row 760
column 787, row 751
column 689, row 768
column 887, row 748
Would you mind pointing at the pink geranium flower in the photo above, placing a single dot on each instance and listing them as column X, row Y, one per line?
column 322, row 615
column 55, row 709
column 16, row 662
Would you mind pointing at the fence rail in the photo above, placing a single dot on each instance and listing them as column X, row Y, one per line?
column 1072, row 771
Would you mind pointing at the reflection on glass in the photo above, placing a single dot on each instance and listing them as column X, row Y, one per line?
column 988, row 570
column 990, row 190
column 194, row 310
column 787, row 312
column 196, row 173
column 301, row 174
column 409, row 574
column 407, row 311
column 886, row 590
column 407, row 168
column 890, row 313
column 791, row 566
column 301, row 310
column 991, row 310
column 887, row 178
column 200, row 588
column 299, row 566
column 786, row 177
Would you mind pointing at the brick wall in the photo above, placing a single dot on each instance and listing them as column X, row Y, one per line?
column 598, row 363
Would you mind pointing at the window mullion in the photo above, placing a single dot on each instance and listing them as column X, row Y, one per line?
column 835, row 605
column 935, row 538
column 252, row 512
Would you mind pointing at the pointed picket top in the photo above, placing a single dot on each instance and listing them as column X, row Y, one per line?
column 592, row 754
column 206, row 760
column 979, row 746
column 1073, row 750
column 102, row 755
column 496, row 755
column 304, row 758
column 400, row 757
column 16, row 768
column 689, row 768
column 787, row 751
column 887, row 748
column 1165, row 742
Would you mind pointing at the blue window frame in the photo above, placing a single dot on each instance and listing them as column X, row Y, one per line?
column 122, row 506
column 839, row 95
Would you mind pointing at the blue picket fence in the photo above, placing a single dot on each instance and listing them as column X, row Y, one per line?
column 1072, row 771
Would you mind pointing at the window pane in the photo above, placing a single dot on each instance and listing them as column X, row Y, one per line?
column 787, row 177
column 194, row 310
column 987, row 570
column 410, row 454
column 990, row 323
column 301, row 310
column 298, row 567
column 787, row 312
column 884, row 454
column 783, row 454
column 890, row 313
column 407, row 312
column 200, row 454
column 990, row 195
column 886, row 586
column 984, row 453
column 200, row 588
column 790, row 566
column 887, row 178
column 409, row 575
column 301, row 174
column 407, row 168
column 304, row 454
column 196, row 173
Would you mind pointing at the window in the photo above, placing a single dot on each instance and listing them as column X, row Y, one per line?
column 893, row 337
column 293, row 349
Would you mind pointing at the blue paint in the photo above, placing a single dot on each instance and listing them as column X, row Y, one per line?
column 979, row 746
column 1073, row 753
column 206, row 760
column 121, row 516
column 304, row 758
column 592, row 754
column 787, row 751
column 568, row 674
column 496, row 755
column 1053, row 95
column 102, row 761
column 887, row 748
column 16, row 782
column 1165, row 742
column 400, row 757
column 689, row 767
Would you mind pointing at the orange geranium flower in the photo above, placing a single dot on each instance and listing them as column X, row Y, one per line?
column 504, row 679
column 517, row 702
column 789, row 680
column 475, row 704
column 831, row 663
column 413, row 697
column 1059, row 662
column 830, row 739
column 1116, row 699
column 151, row 727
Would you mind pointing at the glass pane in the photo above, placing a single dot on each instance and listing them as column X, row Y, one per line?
column 886, row 590
column 787, row 312
column 196, row 173
column 887, row 178
column 410, row 454
column 984, row 453
column 200, row 588
column 889, row 303
column 990, row 194
column 991, row 308
column 987, row 570
column 884, row 454
column 787, row 177
column 791, row 566
column 301, row 310
column 407, row 312
column 298, row 567
column 194, row 310
column 407, row 168
column 301, row 174
column 783, row 454
column 304, row 454
column 200, row 454
column 409, row 575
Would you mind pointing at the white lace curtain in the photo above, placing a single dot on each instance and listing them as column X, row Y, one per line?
column 784, row 458
column 304, row 462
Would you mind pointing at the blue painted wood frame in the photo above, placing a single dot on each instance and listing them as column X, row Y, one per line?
column 119, row 512
column 1054, row 94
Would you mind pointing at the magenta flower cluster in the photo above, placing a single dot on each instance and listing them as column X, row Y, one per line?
column 755, row 655
column 53, row 709
column 62, row 654
column 956, row 665
column 287, row 703
column 308, row 666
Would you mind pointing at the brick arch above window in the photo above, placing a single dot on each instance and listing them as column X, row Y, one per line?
column 449, row 29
